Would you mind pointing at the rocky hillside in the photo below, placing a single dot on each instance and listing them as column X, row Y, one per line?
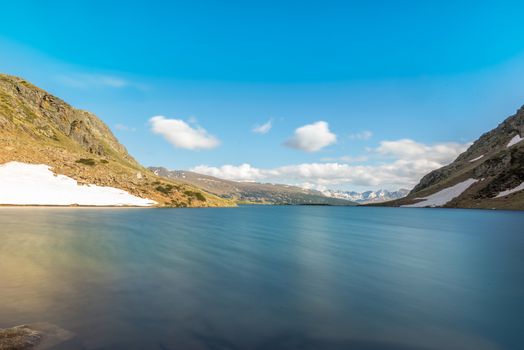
column 39, row 128
column 250, row 192
column 490, row 174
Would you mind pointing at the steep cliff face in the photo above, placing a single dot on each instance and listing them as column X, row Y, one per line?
column 39, row 128
column 494, row 164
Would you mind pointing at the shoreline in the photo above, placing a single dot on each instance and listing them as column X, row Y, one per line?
column 72, row 206
column 34, row 206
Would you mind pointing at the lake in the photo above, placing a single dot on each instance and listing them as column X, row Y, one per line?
column 267, row 277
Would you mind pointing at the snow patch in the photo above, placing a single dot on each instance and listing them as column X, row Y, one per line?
column 475, row 159
column 35, row 184
column 516, row 139
column 443, row 196
column 513, row 190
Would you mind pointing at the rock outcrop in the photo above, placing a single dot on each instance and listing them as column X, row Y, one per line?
column 39, row 128
column 495, row 160
column 37, row 336
column 19, row 338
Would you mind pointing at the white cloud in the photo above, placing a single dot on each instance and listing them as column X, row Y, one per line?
column 346, row 159
column 123, row 127
column 110, row 81
column 404, row 167
column 182, row 135
column 264, row 128
column 192, row 120
column 312, row 137
column 364, row 135
column 441, row 153
column 98, row 81
column 243, row 172
column 83, row 80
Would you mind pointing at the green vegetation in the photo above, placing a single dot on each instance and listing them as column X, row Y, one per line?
column 194, row 194
column 166, row 189
column 87, row 161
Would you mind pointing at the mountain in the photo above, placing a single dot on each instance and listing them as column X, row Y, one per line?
column 42, row 136
column 251, row 192
column 489, row 174
column 368, row 196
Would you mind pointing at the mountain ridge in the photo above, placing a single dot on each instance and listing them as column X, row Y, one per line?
column 39, row 128
column 251, row 192
column 366, row 197
column 492, row 168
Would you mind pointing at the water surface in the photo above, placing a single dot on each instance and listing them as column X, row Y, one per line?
column 263, row 277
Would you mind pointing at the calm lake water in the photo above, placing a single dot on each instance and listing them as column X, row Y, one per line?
column 263, row 277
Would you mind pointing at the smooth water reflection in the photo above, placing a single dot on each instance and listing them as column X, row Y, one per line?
column 267, row 277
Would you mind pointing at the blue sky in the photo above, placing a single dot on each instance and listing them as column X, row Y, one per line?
column 359, row 94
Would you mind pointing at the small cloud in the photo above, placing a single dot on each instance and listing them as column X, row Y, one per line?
column 264, row 128
column 346, row 159
column 110, row 81
column 349, row 159
column 123, row 127
column 182, row 135
column 87, row 80
column 192, row 120
column 364, row 135
column 312, row 137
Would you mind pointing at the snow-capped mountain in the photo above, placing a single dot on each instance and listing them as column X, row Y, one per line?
column 368, row 196
column 488, row 175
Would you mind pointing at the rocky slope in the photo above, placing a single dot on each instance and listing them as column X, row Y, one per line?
column 250, row 192
column 37, row 336
column 489, row 174
column 39, row 128
column 367, row 196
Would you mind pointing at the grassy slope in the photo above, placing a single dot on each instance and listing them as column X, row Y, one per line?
column 38, row 128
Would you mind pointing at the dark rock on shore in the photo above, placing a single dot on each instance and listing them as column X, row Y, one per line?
column 36, row 336
column 19, row 338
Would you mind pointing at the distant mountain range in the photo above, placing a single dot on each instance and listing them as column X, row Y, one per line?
column 251, row 192
column 367, row 196
column 489, row 174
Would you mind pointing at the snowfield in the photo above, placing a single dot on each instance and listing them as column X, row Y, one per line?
column 443, row 196
column 513, row 190
column 516, row 139
column 35, row 184
column 475, row 159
